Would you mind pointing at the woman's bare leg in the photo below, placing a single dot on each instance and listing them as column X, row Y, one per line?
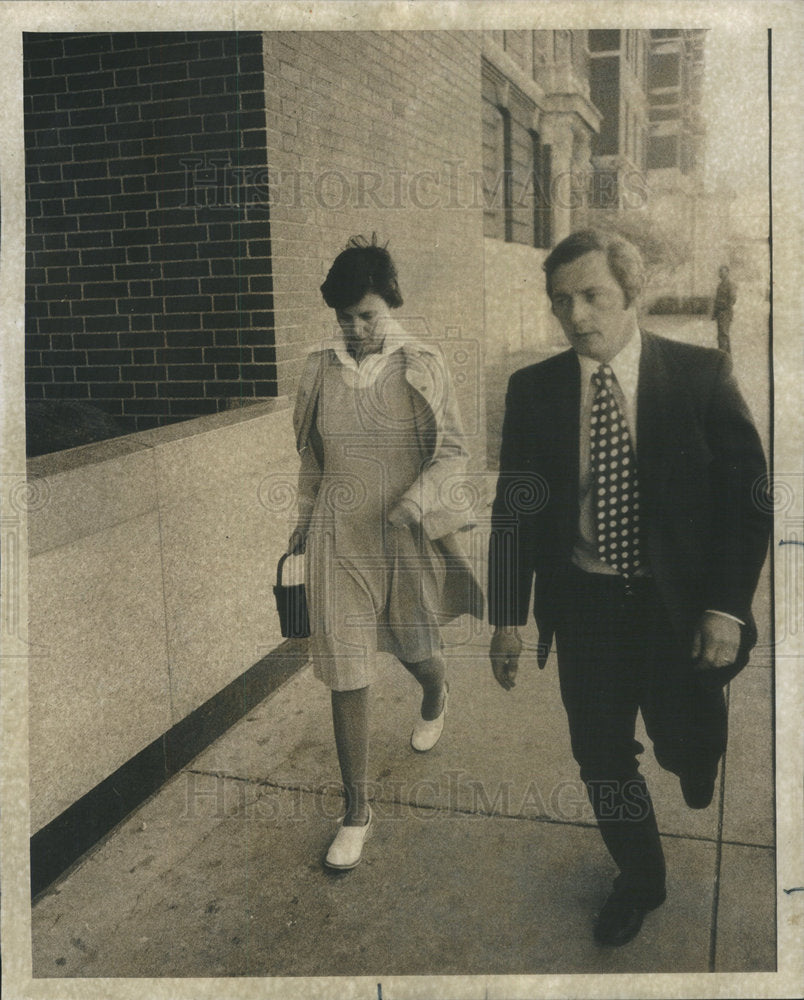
column 431, row 674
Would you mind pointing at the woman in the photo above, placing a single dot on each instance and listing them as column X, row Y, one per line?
column 379, row 435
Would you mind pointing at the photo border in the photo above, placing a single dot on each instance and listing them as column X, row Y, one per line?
column 786, row 19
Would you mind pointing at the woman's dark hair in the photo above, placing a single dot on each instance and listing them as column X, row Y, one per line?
column 623, row 258
column 361, row 268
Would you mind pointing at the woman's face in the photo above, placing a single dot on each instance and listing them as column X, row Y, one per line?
column 363, row 324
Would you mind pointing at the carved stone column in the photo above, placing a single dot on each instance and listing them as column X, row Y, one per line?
column 581, row 165
column 557, row 132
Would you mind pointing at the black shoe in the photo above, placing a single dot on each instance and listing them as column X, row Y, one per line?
column 698, row 789
column 621, row 918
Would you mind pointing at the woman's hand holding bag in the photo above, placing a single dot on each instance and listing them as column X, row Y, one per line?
column 291, row 601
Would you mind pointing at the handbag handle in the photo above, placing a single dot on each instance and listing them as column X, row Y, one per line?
column 279, row 566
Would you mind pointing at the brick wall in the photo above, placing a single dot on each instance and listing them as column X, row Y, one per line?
column 379, row 131
column 149, row 286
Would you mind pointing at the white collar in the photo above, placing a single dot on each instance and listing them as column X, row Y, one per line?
column 624, row 364
column 395, row 339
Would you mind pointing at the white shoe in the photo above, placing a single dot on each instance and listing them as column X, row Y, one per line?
column 346, row 849
column 427, row 732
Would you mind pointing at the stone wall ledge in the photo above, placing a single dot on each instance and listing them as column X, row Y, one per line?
column 103, row 451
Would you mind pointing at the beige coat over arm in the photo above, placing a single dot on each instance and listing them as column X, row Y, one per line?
column 440, row 492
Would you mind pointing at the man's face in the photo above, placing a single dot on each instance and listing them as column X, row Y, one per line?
column 590, row 306
column 724, row 273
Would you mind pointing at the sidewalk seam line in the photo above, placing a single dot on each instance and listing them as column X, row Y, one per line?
column 591, row 825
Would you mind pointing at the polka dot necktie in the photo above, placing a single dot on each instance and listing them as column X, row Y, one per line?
column 613, row 464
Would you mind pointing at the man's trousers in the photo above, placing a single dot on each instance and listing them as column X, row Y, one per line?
column 617, row 654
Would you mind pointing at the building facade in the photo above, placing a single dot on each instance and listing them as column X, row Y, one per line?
column 187, row 192
column 618, row 83
column 676, row 159
column 539, row 125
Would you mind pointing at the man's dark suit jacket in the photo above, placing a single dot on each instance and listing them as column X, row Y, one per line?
column 704, row 508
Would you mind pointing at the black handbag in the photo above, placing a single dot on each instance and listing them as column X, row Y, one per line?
column 291, row 603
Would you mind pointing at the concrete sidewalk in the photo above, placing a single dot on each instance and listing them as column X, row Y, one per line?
column 483, row 860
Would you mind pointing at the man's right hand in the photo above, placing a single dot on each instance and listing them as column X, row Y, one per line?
column 504, row 652
column 297, row 542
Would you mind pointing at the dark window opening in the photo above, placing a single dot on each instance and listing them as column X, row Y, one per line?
column 542, row 208
column 508, row 180
column 604, row 89
column 604, row 40
column 665, row 70
column 496, row 183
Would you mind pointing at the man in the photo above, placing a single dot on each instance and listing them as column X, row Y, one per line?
column 628, row 472
column 723, row 309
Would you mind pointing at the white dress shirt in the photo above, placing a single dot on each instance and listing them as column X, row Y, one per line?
column 625, row 366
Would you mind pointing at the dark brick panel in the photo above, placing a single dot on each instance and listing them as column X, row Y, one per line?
column 144, row 256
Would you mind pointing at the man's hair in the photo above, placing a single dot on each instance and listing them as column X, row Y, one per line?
column 623, row 258
column 360, row 268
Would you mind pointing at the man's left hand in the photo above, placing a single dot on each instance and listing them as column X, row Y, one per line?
column 716, row 642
